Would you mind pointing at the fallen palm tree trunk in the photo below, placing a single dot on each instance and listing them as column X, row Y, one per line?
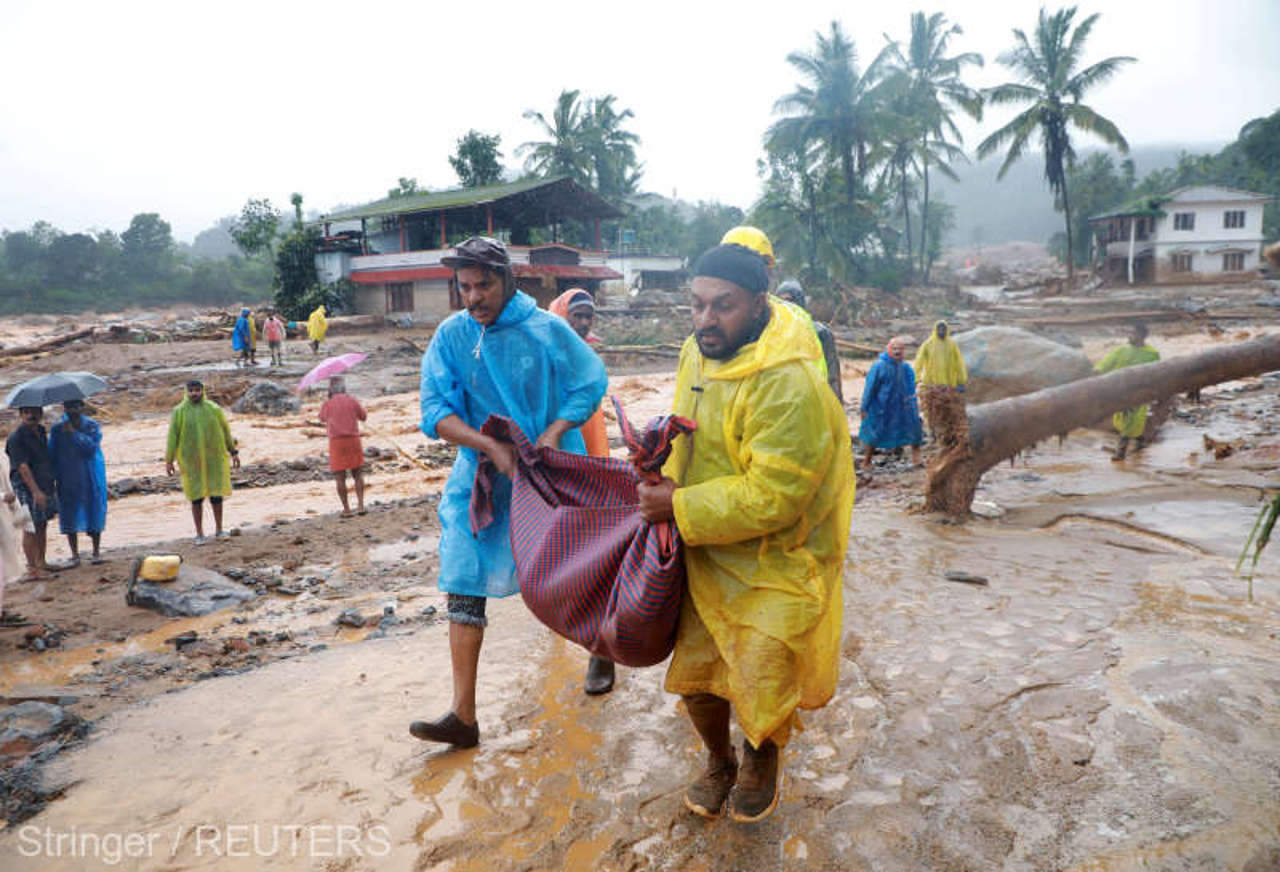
column 47, row 344
column 1000, row 430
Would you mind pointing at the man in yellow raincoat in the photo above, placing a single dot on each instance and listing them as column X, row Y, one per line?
column 762, row 495
column 200, row 443
column 940, row 381
column 317, row 327
column 1130, row 423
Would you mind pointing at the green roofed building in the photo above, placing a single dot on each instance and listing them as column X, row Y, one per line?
column 391, row 248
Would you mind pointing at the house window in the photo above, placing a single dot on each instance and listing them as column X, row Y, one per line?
column 1184, row 220
column 1233, row 219
column 400, row 297
column 1182, row 263
column 1233, row 261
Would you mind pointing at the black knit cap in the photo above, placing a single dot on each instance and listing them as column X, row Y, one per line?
column 734, row 263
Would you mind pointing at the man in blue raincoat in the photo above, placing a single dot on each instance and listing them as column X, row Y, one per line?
column 242, row 338
column 502, row 356
column 75, row 446
column 890, row 415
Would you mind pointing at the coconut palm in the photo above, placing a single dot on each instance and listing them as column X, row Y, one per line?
column 564, row 151
column 933, row 90
column 612, row 150
column 836, row 106
column 1051, row 81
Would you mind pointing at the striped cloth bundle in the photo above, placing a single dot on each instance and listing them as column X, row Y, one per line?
column 588, row 566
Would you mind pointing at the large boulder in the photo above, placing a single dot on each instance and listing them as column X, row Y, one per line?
column 196, row 591
column 268, row 398
column 1007, row 361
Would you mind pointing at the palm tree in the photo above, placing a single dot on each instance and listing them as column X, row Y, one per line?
column 1052, row 85
column 564, row 150
column 612, row 150
column 836, row 106
column 933, row 91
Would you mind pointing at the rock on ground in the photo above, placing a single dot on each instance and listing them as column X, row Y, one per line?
column 1007, row 361
column 267, row 398
column 196, row 591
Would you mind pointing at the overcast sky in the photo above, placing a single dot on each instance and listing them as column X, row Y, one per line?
column 115, row 108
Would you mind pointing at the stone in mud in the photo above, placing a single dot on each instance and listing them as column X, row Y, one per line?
column 196, row 591
column 1006, row 362
column 350, row 618
column 267, row 398
column 28, row 725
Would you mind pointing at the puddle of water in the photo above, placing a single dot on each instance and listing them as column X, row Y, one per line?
column 394, row 551
column 1217, row 525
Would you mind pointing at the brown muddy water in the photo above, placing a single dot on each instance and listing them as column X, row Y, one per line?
column 1108, row 701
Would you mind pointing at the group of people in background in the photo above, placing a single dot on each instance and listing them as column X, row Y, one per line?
column 244, row 335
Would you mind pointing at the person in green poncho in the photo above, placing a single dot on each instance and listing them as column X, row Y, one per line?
column 200, row 443
column 1131, row 422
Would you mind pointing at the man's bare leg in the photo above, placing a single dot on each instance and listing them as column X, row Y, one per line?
column 73, row 544
column 42, row 546
column 464, row 653
column 217, row 516
column 197, row 516
column 866, row 458
column 357, row 475
column 340, row 479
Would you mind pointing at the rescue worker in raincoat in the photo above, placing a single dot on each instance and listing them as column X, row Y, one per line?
column 200, row 443
column 317, row 327
column 75, row 447
column 242, row 337
column 791, row 291
column 890, row 417
column 502, row 356
column 940, row 381
column 1131, row 422
column 762, row 494
column 579, row 308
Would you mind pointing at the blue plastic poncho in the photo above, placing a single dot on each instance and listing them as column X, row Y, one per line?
column 81, row 475
column 240, row 335
column 529, row 366
column 890, row 416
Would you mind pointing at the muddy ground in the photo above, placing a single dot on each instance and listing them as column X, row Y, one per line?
column 1106, row 701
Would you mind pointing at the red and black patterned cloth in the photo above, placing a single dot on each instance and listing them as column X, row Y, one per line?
column 589, row 567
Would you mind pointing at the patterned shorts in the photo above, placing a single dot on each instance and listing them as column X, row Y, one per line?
column 38, row 517
column 465, row 609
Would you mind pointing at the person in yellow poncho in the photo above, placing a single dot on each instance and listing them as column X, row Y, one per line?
column 1131, row 422
column 317, row 327
column 940, row 383
column 762, row 494
column 200, row 443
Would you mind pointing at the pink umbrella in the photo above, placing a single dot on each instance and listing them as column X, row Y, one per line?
column 330, row 367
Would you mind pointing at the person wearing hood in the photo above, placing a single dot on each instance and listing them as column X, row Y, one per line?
column 941, row 376
column 792, row 292
column 501, row 356
column 75, row 446
column 762, row 494
column 1130, row 423
column 890, row 418
column 579, row 308
column 199, row 444
column 242, row 337
column 317, row 327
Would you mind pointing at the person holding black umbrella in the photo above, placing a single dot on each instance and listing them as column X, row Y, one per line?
column 31, row 475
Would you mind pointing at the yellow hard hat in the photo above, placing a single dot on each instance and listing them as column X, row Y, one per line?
column 750, row 237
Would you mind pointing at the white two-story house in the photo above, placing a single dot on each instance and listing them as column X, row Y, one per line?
column 1203, row 232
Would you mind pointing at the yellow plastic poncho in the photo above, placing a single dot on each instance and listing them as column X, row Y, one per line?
column 1130, row 422
column 803, row 314
column 200, row 441
column 763, row 504
column 939, row 361
column 317, row 325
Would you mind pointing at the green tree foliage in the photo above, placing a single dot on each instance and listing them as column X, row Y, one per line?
column 585, row 140
column 295, row 275
column 930, row 88
column 147, row 247
column 477, row 159
column 405, row 187
column 296, row 199
column 257, row 227
column 1052, row 82
column 707, row 227
column 45, row 270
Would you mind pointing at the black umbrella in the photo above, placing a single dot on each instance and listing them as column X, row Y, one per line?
column 56, row 387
